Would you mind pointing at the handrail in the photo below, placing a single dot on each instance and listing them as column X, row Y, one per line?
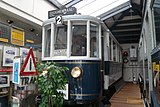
column 141, row 85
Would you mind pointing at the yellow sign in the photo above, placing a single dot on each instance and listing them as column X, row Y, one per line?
column 154, row 66
column 3, row 39
column 17, row 37
column 29, row 41
column 157, row 67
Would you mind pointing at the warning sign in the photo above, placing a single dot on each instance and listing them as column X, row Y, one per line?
column 29, row 66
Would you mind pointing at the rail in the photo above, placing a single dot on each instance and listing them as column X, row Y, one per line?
column 141, row 85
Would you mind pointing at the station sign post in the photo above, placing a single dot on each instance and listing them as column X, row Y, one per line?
column 63, row 11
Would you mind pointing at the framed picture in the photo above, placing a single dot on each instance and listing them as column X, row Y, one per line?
column 8, row 55
column 24, row 52
column 4, row 81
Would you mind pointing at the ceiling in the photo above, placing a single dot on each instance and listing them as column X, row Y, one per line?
column 125, row 21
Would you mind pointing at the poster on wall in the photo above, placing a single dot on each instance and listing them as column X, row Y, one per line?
column 17, row 37
column 8, row 55
column 24, row 53
column 4, row 81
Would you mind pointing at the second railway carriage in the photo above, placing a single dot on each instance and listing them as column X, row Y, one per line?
column 93, row 56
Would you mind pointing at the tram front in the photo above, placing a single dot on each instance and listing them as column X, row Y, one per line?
column 74, row 41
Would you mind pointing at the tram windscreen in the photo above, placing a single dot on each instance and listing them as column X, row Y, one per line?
column 60, row 44
column 47, row 42
column 94, row 40
column 79, row 41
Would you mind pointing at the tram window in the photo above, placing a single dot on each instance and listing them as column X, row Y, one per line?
column 110, row 48
column 79, row 40
column 120, row 55
column 114, row 51
column 60, row 43
column 94, row 44
column 47, row 42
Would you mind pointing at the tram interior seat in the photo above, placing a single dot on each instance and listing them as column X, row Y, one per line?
column 140, row 82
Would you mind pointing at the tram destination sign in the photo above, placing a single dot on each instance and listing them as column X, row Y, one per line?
column 64, row 11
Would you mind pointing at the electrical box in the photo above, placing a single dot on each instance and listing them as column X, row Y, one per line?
column 133, row 53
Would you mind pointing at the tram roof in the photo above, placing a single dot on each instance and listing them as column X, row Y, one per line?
column 122, row 17
column 74, row 17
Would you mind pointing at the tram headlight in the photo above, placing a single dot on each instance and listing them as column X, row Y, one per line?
column 76, row 72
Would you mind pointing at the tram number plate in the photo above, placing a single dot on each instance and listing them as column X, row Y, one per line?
column 59, row 20
column 65, row 92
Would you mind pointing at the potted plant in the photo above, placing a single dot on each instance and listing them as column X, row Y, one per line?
column 51, row 78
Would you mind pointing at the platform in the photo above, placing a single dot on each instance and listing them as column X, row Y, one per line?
column 127, row 96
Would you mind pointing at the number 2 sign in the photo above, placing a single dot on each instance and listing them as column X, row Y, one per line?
column 59, row 20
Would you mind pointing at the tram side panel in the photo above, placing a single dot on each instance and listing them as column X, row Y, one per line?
column 112, row 70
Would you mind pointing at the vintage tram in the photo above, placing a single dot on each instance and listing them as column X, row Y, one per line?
column 84, row 45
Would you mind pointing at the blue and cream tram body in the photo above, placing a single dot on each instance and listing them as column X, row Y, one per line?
column 75, row 41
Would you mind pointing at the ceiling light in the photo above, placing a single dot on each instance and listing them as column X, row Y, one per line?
column 32, row 30
column 9, row 21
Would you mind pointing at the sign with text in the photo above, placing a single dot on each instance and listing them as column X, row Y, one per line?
column 25, row 80
column 64, row 11
column 17, row 37
column 16, row 70
column 59, row 20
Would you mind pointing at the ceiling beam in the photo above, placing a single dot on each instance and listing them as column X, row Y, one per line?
column 71, row 3
column 129, row 21
column 128, row 41
column 126, row 32
column 56, row 4
column 127, row 37
column 138, row 25
column 115, row 11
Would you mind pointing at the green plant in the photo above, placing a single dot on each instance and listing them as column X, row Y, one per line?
column 50, row 79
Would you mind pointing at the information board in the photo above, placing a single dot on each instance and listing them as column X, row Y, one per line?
column 17, row 37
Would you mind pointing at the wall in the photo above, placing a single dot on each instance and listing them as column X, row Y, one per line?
column 33, row 10
column 131, row 68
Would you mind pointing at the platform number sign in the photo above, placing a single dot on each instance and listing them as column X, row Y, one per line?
column 59, row 20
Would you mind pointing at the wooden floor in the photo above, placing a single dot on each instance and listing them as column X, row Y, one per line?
column 128, row 96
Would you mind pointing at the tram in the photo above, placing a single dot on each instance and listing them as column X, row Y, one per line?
column 92, row 54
